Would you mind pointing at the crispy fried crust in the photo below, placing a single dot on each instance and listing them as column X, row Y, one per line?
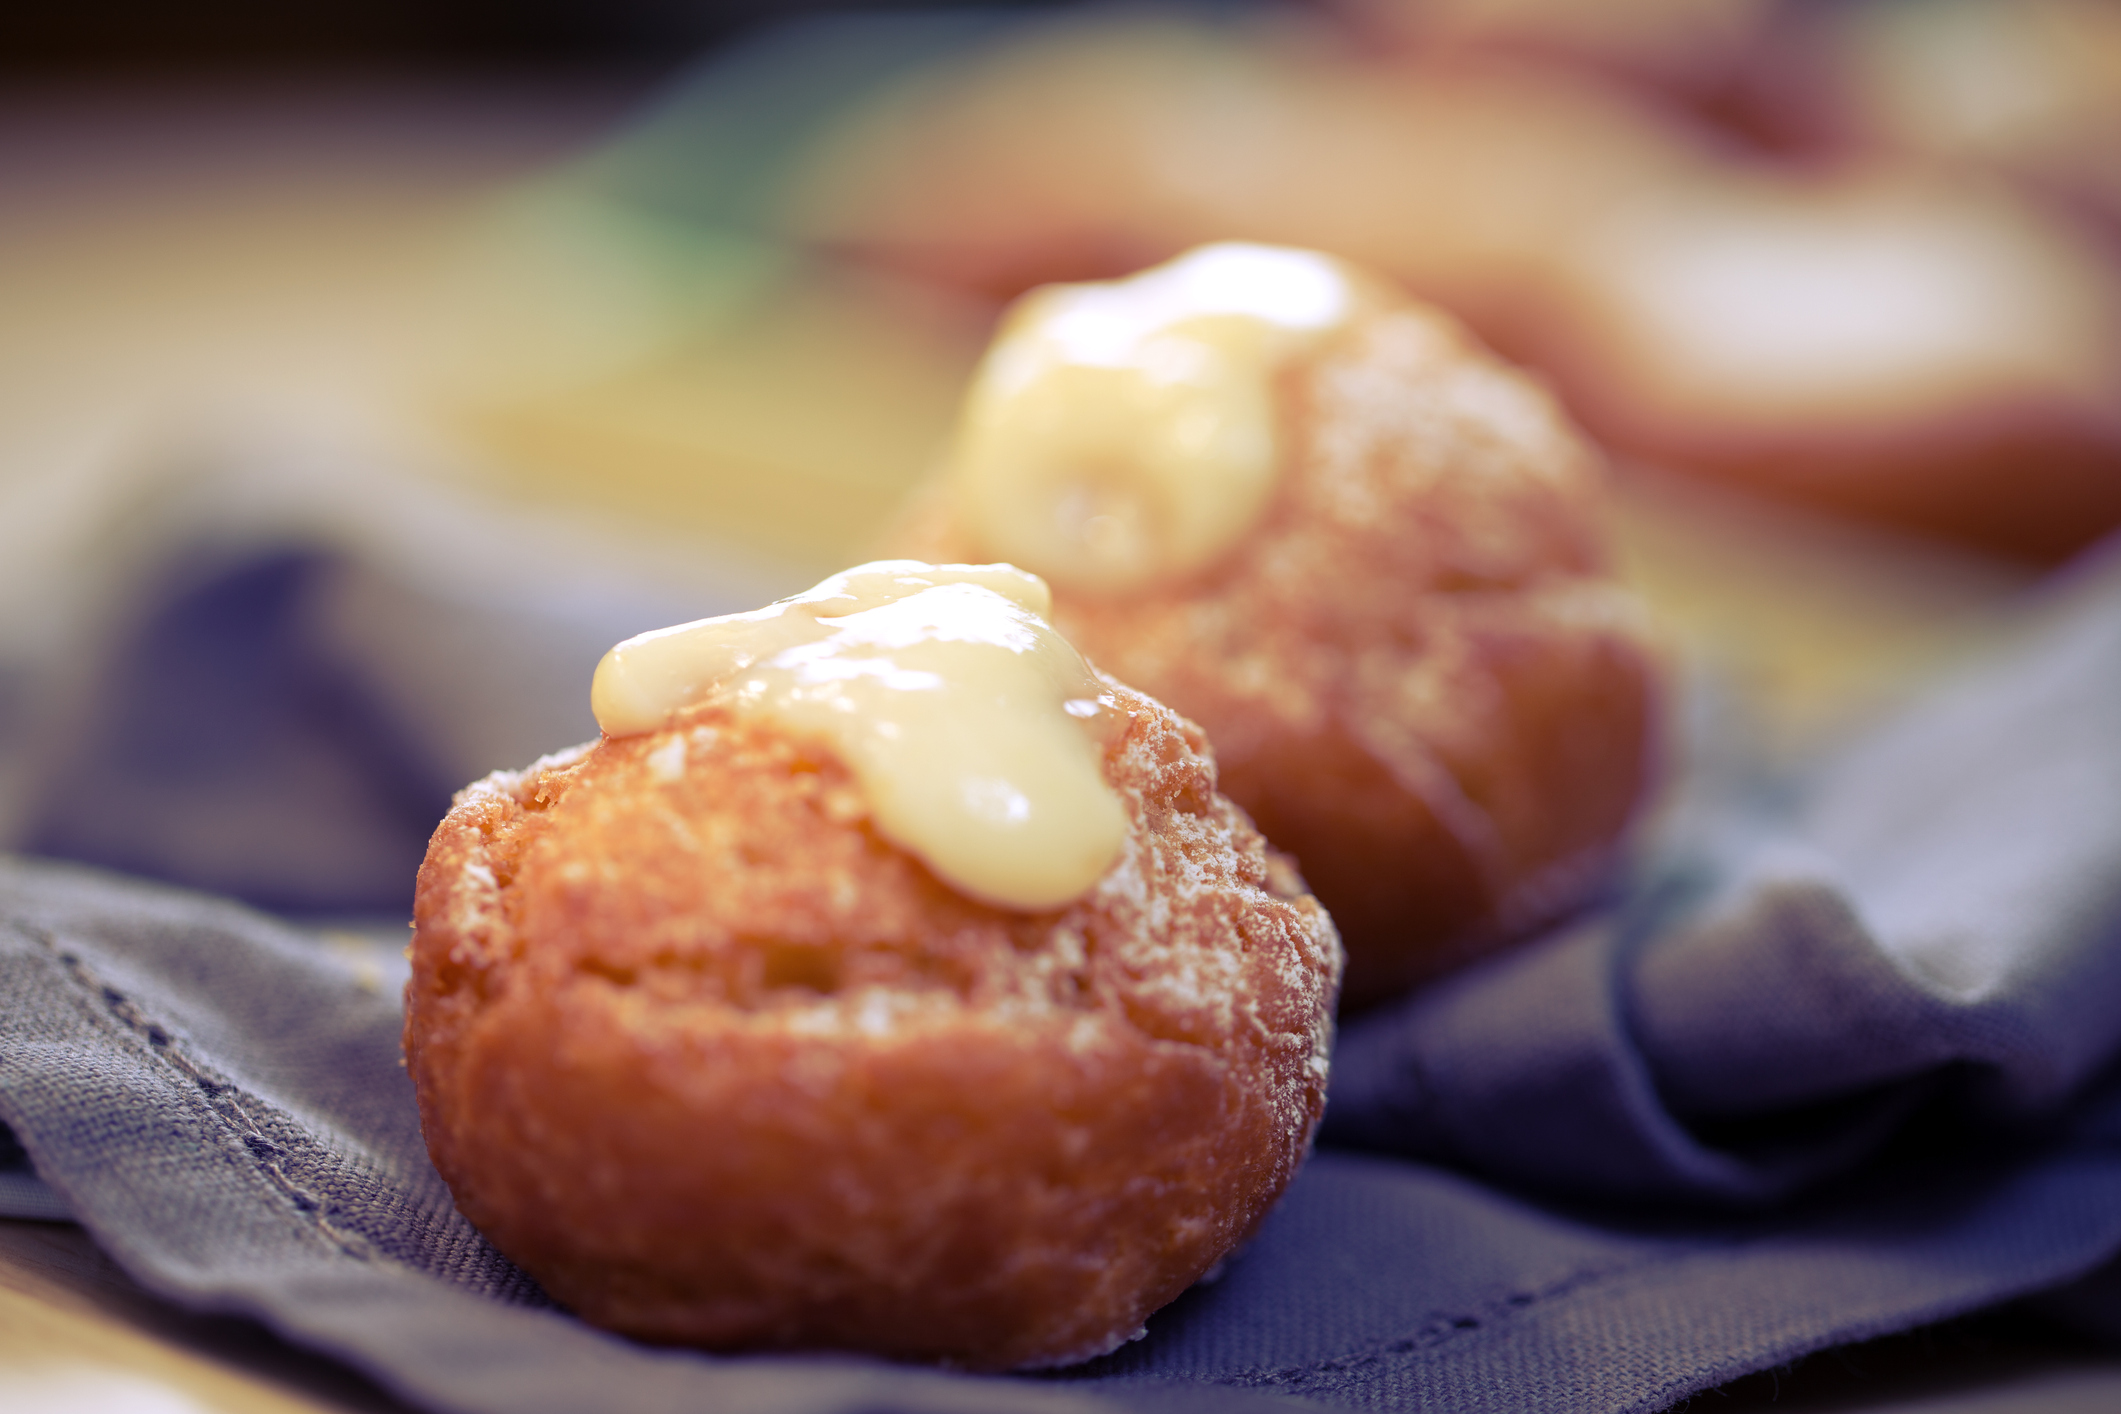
column 1418, row 675
column 720, row 1066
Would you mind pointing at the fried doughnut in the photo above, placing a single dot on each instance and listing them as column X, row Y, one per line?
column 1419, row 676
column 722, row 1064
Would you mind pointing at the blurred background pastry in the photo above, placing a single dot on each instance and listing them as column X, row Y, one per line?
column 1918, row 347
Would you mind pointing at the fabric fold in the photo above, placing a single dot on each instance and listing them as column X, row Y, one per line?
column 1929, row 921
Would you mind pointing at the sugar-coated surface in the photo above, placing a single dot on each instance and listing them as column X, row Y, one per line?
column 1417, row 673
column 719, row 1065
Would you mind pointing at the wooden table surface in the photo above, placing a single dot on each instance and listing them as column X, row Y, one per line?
column 76, row 1333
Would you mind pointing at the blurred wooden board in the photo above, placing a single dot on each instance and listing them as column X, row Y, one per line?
column 1812, row 623
column 77, row 1334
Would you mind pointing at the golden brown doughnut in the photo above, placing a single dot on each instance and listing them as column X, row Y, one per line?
column 1418, row 674
column 719, row 1065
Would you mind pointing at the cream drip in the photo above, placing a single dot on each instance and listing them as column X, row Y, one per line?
column 1126, row 432
column 975, row 730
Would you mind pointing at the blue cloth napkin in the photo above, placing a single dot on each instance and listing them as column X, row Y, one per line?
column 1838, row 1060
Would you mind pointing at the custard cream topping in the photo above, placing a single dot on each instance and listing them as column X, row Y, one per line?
column 1126, row 432
column 975, row 731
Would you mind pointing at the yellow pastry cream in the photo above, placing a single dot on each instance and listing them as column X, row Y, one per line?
column 1125, row 432
column 975, row 730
